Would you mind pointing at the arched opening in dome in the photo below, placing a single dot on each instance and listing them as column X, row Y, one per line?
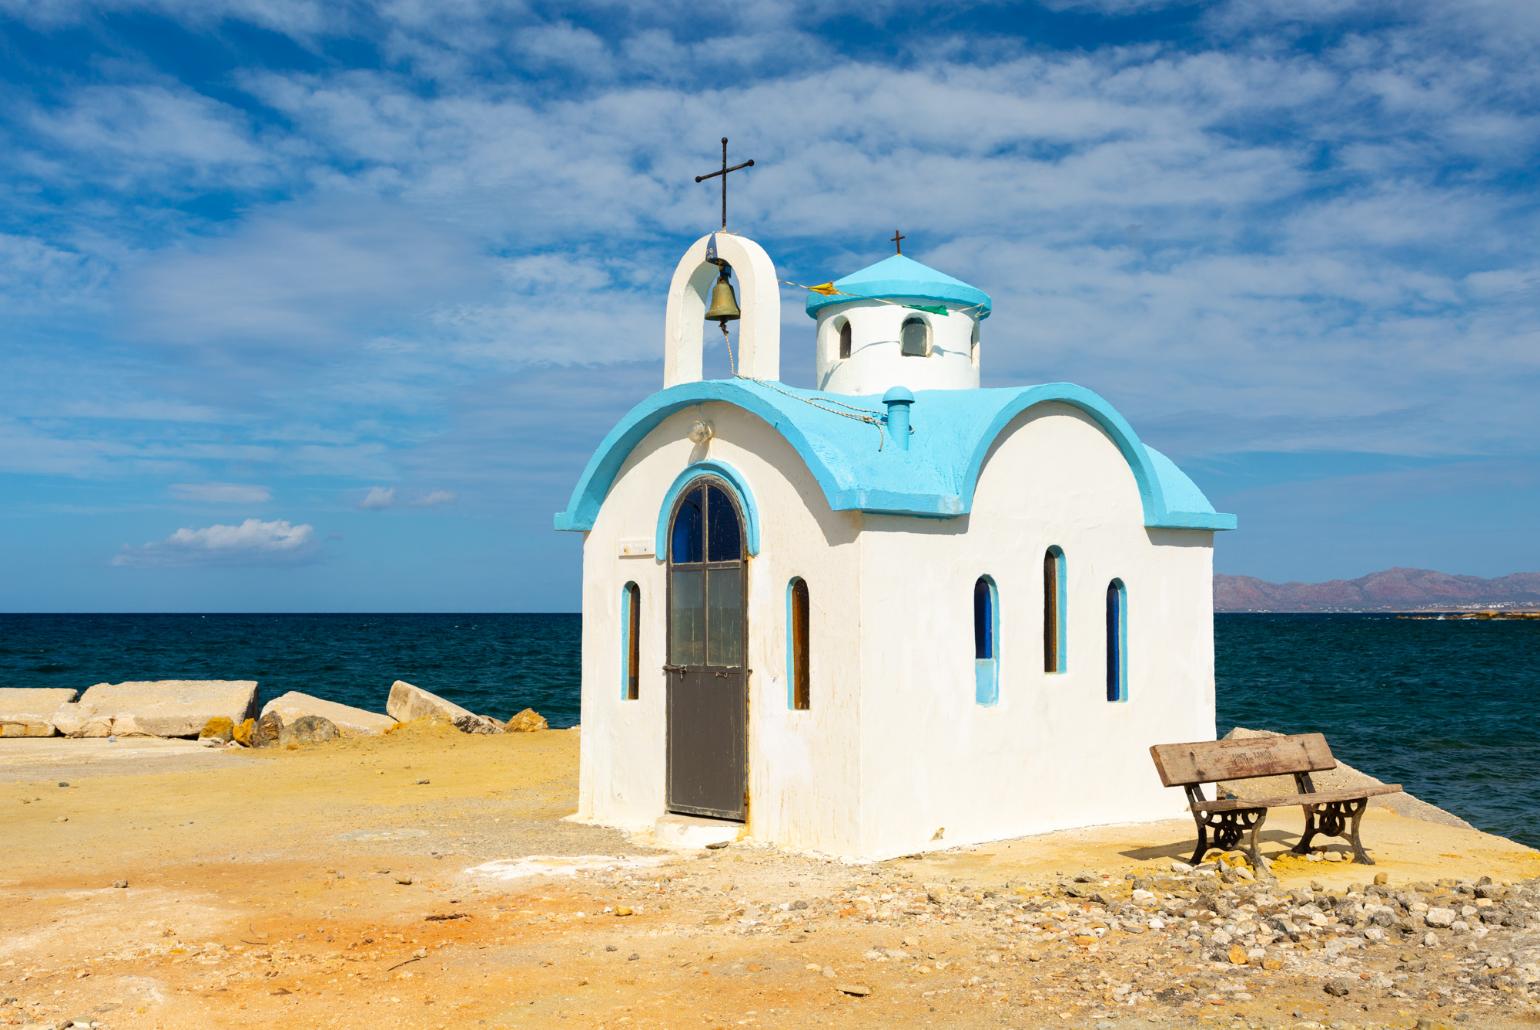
column 914, row 338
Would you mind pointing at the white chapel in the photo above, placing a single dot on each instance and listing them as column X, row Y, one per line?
column 892, row 613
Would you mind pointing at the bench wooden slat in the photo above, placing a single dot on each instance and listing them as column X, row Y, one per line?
column 1213, row 761
column 1320, row 797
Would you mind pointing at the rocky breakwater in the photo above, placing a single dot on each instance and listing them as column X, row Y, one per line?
column 28, row 712
column 293, row 719
column 155, row 708
column 222, row 712
column 407, row 703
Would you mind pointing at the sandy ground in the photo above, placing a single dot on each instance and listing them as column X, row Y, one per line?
column 385, row 882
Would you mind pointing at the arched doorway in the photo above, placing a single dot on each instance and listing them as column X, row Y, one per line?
column 707, row 667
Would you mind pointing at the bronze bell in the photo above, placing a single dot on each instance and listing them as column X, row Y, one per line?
column 724, row 304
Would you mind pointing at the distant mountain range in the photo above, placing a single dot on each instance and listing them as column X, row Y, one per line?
column 1397, row 590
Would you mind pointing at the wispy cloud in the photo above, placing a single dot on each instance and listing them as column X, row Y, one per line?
column 253, row 542
column 378, row 497
column 221, row 493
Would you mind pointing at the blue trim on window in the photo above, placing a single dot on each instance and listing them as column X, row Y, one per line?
column 953, row 433
column 625, row 640
column 986, row 642
column 1061, row 608
column 735, row 482
column 1117, row 641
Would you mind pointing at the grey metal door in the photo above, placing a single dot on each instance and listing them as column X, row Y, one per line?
column 708, row 702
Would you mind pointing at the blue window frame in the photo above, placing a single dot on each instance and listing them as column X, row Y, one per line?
column 630, row 642
column 986, row 641
column 1117, row 641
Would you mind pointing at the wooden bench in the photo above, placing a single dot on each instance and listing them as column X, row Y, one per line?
column 1330, row 813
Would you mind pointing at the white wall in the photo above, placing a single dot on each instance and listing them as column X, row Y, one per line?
column 1053, row 752
column 876, row 361
column 802, row 765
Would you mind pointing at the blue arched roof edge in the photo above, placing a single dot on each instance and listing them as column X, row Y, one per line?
column 729, row 475
column 853, row 475
column 604, row 466
column 1160, row 481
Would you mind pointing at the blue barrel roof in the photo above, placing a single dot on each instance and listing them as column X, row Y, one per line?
column 903, row 278
column 954, row 431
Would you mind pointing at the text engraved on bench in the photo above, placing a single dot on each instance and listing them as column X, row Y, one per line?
column 1213, row 761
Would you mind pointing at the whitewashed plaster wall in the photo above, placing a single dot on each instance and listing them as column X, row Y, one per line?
column 803, row 765
column 1053, row 752
column 876, row 359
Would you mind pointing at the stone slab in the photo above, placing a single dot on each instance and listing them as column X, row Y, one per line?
column 407, row 702
column 28, row 711
column 350, row 721
column 155, row 708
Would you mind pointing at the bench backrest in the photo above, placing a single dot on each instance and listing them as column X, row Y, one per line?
column 1212, row 761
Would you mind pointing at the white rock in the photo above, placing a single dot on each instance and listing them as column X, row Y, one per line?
column 408, row 702
column 28, row 711
column 1439, row 917
column 155, row 708
column 350, row 721
column 74, row 720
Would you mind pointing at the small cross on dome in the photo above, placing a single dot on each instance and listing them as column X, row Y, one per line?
column 898, row 241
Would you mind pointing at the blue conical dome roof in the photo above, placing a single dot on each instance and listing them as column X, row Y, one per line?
column 903, row 278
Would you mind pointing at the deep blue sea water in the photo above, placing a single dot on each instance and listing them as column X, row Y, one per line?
column 1446, row 708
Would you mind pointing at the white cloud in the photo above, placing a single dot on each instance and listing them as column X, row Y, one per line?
column 156, row 134
column 378, row 497
column 253, row 542
column 381, row 497
column 221, row 493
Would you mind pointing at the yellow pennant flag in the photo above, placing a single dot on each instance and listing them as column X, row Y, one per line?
column 827, row 289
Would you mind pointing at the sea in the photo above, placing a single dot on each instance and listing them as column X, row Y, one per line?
column 1445, row 707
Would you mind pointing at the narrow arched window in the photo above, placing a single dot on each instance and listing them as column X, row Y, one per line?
column 986, row 641
column 1117, row 641
column 844, row 339
column 630, row 642
column 1054, row 591
column 798, row 673
column 914, row 338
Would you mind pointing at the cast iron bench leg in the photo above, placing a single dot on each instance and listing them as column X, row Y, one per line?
column 1257, row 862
column 1356, row 814
column 1202, row 821
column 1229, row 828
column 1335, row 819
column 1311, row 829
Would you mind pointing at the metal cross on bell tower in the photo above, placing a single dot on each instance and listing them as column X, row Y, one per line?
column 723, row 173
column 898, row 241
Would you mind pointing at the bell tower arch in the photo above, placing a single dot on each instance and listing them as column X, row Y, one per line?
column 759, row 297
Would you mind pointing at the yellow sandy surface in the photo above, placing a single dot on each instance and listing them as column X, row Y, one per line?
column 360, row 883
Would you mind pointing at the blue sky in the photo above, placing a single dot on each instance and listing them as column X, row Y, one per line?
column 312, row 305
